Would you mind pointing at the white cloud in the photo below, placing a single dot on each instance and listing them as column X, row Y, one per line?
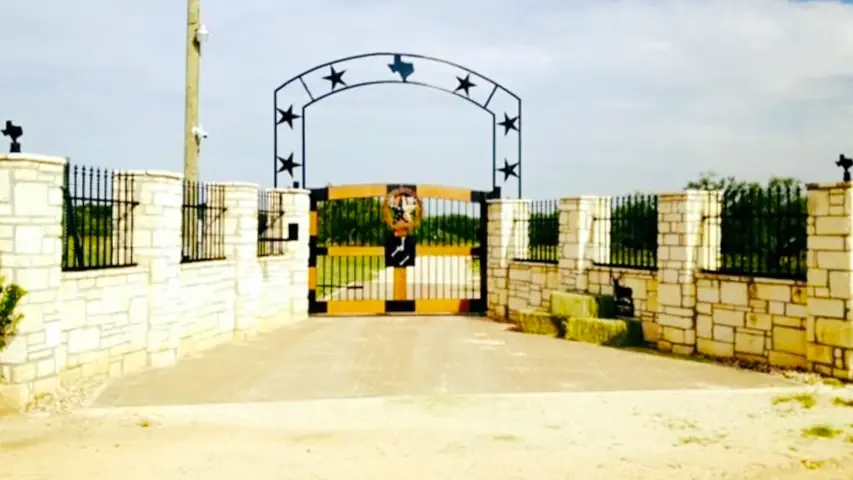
column 618, row 95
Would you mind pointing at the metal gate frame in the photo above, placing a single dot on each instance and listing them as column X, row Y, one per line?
column 399, row 303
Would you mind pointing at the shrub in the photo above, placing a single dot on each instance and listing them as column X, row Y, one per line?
column 10, row 295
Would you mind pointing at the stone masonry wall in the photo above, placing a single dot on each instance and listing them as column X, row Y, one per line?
column 117, row 320
column 643, row 285
column 751, row 318
column 686, row 308
column 530, row 286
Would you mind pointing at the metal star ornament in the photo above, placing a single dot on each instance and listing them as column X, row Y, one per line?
column 509, row 170
column 509, row 123
column 287, row 165
column 409, row 206
column 465, row 85
column 335, row 77
column 287, row 116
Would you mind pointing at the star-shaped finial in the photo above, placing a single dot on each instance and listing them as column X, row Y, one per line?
column 287, row 116
column 335, row 77
column 509, row 170
column 509, row 123
column 465, row 84
column 287, row 165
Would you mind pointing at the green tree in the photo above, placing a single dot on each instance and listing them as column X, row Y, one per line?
column 448, row 229
column 763, row 227
column 544, row 229
column 353, row 221
column 634, row 230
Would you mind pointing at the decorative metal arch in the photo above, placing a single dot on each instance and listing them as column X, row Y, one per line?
column 511, row 121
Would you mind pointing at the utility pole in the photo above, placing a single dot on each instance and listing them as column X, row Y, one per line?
column 191, row 140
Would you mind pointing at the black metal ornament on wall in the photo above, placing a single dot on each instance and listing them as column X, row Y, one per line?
column 402, row 68
column 14, row 132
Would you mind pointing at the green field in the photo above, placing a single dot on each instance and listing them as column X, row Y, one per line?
column 334, row 273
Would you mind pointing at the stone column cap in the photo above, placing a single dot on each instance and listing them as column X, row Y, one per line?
column 33, row 157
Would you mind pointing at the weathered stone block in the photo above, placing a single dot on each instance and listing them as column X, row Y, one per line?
column 749, row 343
column 819, row 353
column 759, row 321
column 789, row 340
column 715, row 349
column 835, row 332
column 786, row 360
column 732, row 318
column 734, row 293
column 724, row 333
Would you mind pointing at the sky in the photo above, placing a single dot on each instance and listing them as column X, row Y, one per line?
column 618, row 96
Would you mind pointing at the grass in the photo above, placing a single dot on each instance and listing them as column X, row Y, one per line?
column 702, row 441
column 842, row 402
column 822, row 431
column 806, row 400
column 334, row 273
column 95, row 252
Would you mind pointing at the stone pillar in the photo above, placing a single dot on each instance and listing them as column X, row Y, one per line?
column 240, row 223
column 31, row 201
column 157, row 248
column 829, row 325
column 296, row 205
column 578, row 245
column 506, row 239
column 680, row 218
column 712, row 231
column 602, row 226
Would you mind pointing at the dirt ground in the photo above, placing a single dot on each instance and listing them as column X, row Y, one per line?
column 709, row 434
column 442, row 397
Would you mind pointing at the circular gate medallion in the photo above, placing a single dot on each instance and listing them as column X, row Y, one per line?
column 403, row 211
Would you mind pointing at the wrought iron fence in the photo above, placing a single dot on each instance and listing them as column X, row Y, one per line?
column 540, row 219
column 273, row 231
column 97, row 219
column 630, row 236
column 761, row 232
column 202, row 222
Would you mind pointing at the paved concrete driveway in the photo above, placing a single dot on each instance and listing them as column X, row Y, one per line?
column 407, row 355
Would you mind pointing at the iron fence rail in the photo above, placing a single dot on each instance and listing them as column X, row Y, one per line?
column 97, row 219
column 540, row 219
column 630, row 239
column 272, row 229
column 762, row 232
column 202, row 222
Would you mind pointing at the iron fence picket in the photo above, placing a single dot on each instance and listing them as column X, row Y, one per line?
column 97, row 222
column 631, row 239
column 762, row 232
column 541, row 220
column 202, row 222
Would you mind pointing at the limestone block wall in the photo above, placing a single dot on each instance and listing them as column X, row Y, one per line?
column 685, row 307
column 751, row 318
column 530, row 285
column 104, row 322
column 829, row 324
column 643, row 285
column 209, row 305
column 117, row 320
column 506, row 237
